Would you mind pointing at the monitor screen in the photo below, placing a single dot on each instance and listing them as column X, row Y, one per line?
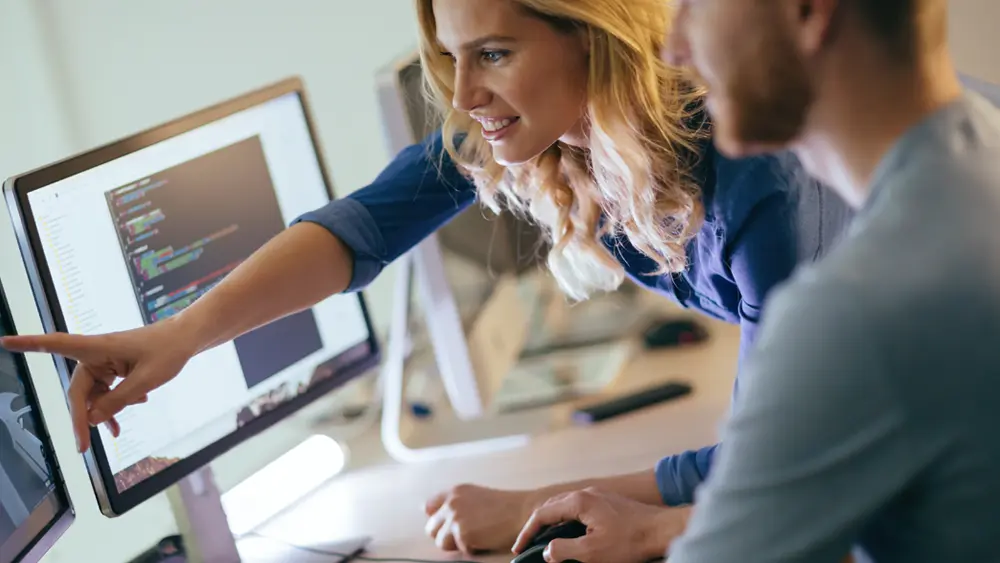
column 141, row 229
column 34, row 508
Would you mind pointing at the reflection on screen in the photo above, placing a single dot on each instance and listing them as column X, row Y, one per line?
column 141, row 238
column 25, row 474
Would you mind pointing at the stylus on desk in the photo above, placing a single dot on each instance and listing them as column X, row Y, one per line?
column 630, row 403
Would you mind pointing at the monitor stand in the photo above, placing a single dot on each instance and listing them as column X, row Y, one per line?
column 424, row 267
column 201, row 519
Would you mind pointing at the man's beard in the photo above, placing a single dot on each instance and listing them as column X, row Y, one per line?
column 770, row 95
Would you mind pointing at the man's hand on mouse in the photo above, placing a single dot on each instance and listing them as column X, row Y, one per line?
column 471, row 519
column 619, row 529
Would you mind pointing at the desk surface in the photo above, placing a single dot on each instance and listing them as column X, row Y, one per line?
column 385, row 502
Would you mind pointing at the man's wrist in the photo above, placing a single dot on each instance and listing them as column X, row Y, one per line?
column 664, row 527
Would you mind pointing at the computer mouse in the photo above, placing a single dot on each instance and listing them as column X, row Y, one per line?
column 567, row 530
column 674, row 332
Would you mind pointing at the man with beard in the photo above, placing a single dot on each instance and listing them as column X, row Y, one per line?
column 867, row 413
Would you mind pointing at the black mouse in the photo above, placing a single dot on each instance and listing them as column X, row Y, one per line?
column 674, row 332
column 567, row 530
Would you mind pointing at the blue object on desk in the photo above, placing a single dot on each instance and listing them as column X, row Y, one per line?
column 421, row 410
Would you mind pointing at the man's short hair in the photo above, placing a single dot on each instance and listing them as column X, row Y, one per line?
column 900, row 23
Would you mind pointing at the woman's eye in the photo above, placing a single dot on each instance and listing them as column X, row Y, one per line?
column 494, row 56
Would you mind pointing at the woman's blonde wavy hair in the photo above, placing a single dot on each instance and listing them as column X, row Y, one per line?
column 633, row 179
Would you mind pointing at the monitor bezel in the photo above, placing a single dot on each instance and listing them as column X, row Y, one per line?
column 112, row 502
column 54, row 515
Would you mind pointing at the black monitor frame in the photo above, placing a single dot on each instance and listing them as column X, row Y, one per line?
column 50, row 519
column 347, row 365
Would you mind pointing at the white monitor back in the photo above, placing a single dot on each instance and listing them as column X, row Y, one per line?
column 406, row 116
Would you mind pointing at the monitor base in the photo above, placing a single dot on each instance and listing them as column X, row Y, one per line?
column 423, row 267
column 201, row 519
column 206, row 532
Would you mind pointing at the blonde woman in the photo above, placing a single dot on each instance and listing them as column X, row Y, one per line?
column 562, row 110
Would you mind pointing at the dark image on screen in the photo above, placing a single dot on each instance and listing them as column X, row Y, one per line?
column 182, row 229
column 25, row 477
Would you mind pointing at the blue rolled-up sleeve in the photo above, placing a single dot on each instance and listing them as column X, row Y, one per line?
column 350, row 221
column 415, row 195
column 678, row 476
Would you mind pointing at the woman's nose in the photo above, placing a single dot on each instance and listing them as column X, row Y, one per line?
column 469, row 94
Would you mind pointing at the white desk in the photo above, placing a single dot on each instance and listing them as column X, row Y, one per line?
column 386, row 502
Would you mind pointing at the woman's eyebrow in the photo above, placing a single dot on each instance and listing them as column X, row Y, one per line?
column 476, row 44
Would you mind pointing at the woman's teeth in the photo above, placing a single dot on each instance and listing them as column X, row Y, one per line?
column 496, row 125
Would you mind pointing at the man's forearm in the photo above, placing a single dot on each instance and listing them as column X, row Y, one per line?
column 640, row 487
column 295, row 270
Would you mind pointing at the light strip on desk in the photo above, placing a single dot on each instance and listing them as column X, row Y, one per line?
column 282, row 482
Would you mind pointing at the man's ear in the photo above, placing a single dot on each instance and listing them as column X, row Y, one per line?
column 813, row 21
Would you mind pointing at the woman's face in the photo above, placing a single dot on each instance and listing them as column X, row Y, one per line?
column 524, row 81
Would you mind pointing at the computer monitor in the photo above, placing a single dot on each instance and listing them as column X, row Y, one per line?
column 35, row 509
column 133, row 232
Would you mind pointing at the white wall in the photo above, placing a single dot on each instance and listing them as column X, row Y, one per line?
column 32, row 120
column 77, row 74
column 974, row 28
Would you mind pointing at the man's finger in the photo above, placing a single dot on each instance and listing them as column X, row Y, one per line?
column 555, row 511
column 562, row 549
column 434, row 523
column 445, row 540
column 459, row 538
column 73, row 346
column 129, row 392
column 80, row 387
column 435, row 503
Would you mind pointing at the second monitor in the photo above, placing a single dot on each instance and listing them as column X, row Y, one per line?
column 134, row 232
column 35, row 509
